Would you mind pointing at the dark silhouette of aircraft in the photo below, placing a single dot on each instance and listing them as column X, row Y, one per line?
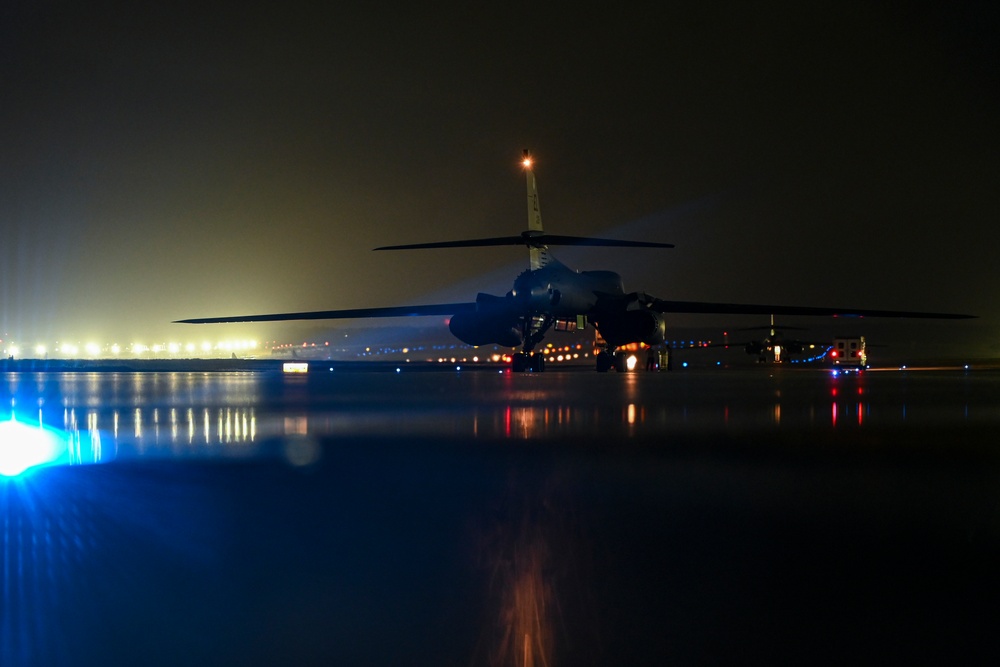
column 776, row 346
column 550, row 294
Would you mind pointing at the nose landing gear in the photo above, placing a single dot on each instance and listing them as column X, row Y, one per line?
column 528, row 362
column 610, row 358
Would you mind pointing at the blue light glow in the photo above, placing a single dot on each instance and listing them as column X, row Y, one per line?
column 25, row 446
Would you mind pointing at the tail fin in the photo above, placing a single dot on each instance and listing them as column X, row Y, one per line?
column 538, row 255
column 534, row 237
column 534, row 213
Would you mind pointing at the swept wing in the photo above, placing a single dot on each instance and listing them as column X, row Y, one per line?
column 706, row 307
column 392, row 311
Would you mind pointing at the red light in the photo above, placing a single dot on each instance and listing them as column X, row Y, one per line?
column 833, row 353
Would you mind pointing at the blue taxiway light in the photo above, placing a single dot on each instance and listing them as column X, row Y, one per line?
column 26, row 446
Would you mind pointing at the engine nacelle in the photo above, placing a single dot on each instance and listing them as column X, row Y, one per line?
column 633, row 326
column 486, row 329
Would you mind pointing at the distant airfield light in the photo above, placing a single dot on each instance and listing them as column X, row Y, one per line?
column 206, row 347
column 40, row 350
column 14, row 350
column 93, row 349
column 116, row 349
column 189, row 347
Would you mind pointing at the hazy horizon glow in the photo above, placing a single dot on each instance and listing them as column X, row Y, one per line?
column 168, row 162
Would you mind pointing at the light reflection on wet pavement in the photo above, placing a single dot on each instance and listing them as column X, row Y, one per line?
column 190, row 414
column 486, row 518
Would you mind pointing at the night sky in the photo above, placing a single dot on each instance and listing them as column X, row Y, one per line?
column 203, row 159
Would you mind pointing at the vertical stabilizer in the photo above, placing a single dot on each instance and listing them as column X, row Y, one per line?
column 534, row 213
column 537, row 256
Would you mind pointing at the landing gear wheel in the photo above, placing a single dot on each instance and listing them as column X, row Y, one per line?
column 524, row 362
column 604, row 362
column 519, row 362
column 536, row 363
column 621, row 362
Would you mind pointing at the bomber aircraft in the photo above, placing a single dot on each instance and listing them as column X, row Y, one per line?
column 550, row 294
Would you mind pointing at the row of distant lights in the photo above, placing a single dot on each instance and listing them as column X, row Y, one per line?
column 556, row 354
column 95, row 350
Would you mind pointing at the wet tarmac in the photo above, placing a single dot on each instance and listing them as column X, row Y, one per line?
column 483, row 518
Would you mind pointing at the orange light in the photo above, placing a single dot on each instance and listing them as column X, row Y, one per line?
column 526, row 162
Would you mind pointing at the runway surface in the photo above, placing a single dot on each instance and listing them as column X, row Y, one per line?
column 483, row 518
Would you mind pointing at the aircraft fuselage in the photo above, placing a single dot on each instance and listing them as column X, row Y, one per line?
column 562, row 292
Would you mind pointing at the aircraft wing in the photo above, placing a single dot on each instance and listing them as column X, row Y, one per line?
column 392, row 311
column 530, row 239
column 662, row 306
